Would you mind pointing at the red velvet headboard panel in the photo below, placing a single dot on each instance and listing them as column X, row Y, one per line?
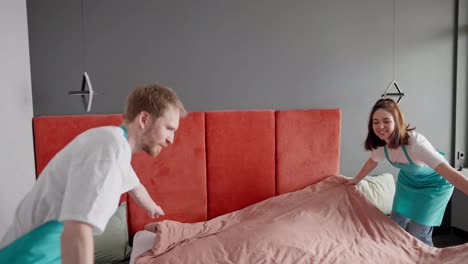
column 221, row 161
column 53, row 133
column 176, row 179
column 307, row 147
column 241, row 159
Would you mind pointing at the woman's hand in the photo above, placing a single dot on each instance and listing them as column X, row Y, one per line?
column 352, row 181
column 368, row 167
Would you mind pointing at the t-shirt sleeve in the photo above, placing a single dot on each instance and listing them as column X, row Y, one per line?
column 426, row 153
column 377, row 155
column 92, row 194
column 130, row 181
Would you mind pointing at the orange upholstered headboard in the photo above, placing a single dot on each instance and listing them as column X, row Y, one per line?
column 221, row 161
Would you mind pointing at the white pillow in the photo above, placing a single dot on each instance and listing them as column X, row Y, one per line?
column 142, row 241
column 379, row 190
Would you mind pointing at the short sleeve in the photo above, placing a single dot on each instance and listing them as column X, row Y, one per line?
column 377, row 155
column 130, row 181
column 426, row 153
column 92, row 194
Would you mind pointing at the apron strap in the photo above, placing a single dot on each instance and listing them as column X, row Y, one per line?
column 406, row 154
column 386, row 154
column 124, row 130
column 404, row 151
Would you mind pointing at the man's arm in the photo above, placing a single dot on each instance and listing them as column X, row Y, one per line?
column 142, row 197
column 77, row 243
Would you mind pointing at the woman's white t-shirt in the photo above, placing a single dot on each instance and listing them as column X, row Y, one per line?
column 419, row 149
column 83, row 182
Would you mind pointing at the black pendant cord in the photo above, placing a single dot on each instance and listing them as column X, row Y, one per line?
column 393, row 83
column 85, row 94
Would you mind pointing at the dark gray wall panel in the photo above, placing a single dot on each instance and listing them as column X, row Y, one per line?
column 275, row 54
column 241, row 54
column 424, row 67
column 461, row 140
column 56, row 51
column 459, row 199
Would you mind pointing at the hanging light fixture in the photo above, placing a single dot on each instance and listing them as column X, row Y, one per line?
column 393, row 83
column 86, row 94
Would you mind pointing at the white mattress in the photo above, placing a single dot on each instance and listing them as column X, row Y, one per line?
column 142, row 241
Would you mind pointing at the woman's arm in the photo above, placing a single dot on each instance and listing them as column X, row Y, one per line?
column 144, row 200
column 454, row 177
column 365, row 170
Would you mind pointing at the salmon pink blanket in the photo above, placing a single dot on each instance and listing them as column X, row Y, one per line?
column 327, row 222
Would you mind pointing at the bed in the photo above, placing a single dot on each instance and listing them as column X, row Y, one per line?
column 252, row 186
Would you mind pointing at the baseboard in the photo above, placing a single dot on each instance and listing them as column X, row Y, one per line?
column 441, row 230
column 460, row 232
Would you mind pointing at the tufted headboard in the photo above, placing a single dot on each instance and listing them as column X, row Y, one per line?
column 221, row 161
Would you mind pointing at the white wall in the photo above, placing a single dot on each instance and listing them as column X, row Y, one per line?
column 17, row 173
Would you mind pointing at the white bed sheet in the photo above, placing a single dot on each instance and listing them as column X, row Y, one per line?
column 142, row 241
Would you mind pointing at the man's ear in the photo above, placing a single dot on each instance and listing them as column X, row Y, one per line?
column 143, row 119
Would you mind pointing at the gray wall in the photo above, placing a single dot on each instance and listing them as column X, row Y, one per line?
column 253, row 54
column 461, row 142
column 459, row 199
column 16, row 154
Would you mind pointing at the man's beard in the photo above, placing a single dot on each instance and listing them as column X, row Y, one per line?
column 153, row 152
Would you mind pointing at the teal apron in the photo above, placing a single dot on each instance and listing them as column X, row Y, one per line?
column 421, row 193
column 41, row 245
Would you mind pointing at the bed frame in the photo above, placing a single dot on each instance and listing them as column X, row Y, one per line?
column 221, row 161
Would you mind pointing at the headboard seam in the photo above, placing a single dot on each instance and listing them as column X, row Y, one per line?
column 206, row 166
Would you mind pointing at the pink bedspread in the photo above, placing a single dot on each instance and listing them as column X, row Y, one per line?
column 327, row 222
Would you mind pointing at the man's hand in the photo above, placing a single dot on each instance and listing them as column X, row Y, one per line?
column 144, row 200
column 155, row 211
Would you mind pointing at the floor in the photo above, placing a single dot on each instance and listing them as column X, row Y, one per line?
column 450, row 238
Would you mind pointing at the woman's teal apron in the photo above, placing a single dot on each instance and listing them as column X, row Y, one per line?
column 421, row 193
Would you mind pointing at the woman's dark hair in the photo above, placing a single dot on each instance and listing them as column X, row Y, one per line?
column 400, row 134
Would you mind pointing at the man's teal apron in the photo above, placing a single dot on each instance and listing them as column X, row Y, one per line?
column 41, row 245
column 421, row 193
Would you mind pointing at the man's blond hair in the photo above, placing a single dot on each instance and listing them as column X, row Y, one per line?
column 152, row 98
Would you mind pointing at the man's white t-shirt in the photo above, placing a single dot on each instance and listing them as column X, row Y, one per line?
column 419, row 149
column 83, row 182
